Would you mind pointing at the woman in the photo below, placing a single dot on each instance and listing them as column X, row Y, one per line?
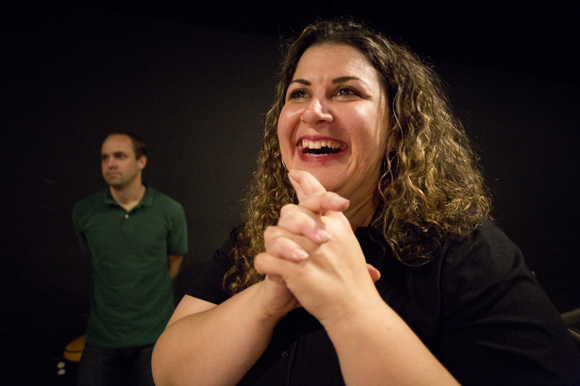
column 364, row 174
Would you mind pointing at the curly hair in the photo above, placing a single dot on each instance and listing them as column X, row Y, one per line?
column 431, row 186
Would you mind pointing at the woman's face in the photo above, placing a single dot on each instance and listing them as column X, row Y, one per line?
column 335, row 121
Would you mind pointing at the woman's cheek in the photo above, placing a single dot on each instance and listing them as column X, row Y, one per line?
column 288, row 123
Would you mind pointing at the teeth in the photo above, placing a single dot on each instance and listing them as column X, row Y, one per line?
column 306, row 144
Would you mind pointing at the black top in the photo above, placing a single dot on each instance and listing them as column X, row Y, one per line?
column 476, row 306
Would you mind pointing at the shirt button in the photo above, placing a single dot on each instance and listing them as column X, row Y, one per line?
column 285, row 355
column 126, row 216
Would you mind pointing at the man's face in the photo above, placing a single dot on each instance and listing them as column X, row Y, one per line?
column 118, row 163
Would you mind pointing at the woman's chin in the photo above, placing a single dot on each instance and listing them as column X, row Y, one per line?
column 327, row 176
column 329, row 183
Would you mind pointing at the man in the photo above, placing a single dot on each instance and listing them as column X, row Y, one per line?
column 136, row 237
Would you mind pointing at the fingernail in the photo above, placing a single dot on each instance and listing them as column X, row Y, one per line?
column 339, row 201
column 323, row 236
column 300, row 254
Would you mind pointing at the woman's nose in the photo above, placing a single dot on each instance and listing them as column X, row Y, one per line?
column 317, row 112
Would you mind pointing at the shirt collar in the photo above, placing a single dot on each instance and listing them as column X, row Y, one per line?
column 147, row 199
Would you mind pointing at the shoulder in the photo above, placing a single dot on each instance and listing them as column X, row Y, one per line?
column 164, row 201
column 224, row 256
column 493, row 307
column 97, row 197
column 90, row 204
column 486, row 234
column 209, row 286
column 483, row 270
column 487, row 250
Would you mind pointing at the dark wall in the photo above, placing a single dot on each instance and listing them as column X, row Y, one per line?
column 526, row 131
column 195, row 94
column 198, row 96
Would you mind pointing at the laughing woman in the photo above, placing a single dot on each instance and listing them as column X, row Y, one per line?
column 367, row 256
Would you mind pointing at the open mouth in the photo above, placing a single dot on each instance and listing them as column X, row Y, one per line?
column 325, row 147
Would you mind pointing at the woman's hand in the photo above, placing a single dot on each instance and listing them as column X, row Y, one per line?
column 314, row 250
column 275, row 297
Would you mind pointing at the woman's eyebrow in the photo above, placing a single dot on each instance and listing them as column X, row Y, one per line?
column 302, row 81
column 340, row 79
column 345, row 78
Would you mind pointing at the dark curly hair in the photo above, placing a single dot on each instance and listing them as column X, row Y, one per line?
column 431, row 186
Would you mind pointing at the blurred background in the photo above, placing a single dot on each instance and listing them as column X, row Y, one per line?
column 195, row 81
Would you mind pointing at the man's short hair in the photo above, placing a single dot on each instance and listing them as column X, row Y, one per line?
column 138, row 144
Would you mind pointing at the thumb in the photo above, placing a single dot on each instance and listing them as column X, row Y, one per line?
column 375, row 274
column 304, row 183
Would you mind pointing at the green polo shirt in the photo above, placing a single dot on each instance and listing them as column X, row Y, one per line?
column 131, row 292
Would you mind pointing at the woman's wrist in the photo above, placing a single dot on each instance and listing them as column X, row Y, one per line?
column 273, row 301
column 357, row 316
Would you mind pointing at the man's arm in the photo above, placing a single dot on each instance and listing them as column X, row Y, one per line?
column 176, row 241
column 173, row 264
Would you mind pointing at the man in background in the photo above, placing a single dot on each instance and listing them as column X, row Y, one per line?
column 136, row 237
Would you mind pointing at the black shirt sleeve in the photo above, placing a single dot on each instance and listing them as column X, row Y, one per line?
column 497, row 324
column 209, row 286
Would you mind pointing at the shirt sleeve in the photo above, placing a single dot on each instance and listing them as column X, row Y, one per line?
column 498, row 325
column 177, row 237
column 209, row 286
column 84, row 245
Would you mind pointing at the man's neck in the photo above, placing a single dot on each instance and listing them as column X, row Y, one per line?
column 129, row 196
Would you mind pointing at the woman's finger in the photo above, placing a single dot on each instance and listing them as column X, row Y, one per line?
column 302, row 221
column 304, row 183
column 320, row 202
column 267, row 264
column 283, row 246
column 312, row 194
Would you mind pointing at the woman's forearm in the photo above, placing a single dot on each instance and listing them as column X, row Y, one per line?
column 377, row 347
column 213, row 347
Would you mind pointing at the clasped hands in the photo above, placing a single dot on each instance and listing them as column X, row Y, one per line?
column 313, row 258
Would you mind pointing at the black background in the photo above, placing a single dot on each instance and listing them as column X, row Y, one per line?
column 196, row 81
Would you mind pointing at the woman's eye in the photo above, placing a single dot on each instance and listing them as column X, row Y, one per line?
column 297, row 94
column 346, row 91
